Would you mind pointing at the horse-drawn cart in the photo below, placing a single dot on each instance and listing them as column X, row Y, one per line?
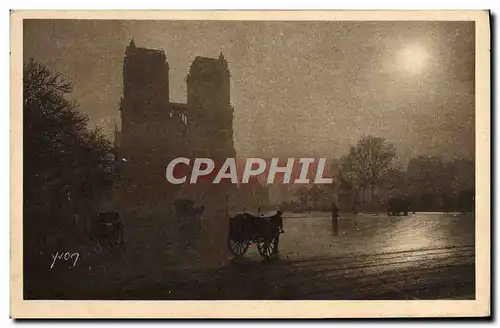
column 106, row 232
column 245, row 229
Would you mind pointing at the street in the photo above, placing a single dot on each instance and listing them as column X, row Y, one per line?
column 420, row 256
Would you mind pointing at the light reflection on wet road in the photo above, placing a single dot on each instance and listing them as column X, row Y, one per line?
column 420, row 256
column 363, row 234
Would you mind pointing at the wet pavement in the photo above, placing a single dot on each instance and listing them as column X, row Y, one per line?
column 369, row 257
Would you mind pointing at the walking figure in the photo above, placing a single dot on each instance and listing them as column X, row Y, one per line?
column 277, row 225
column 335, row 216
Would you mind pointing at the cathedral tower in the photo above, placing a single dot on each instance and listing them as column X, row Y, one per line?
column 210, row 110
column 145, row 83
column 152, row 131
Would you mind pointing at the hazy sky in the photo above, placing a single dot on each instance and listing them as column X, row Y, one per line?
column 298, row 88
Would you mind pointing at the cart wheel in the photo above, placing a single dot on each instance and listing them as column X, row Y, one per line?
column 267, row 247
column 238, row 247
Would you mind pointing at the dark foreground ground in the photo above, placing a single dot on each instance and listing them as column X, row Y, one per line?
column 421, row 256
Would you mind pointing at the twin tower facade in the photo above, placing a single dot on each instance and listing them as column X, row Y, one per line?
column 155, row 130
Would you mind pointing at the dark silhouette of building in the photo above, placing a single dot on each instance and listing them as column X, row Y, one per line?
column 154, row 130
column 211, row 113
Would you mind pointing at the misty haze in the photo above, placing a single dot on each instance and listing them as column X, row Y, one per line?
column 388, row 106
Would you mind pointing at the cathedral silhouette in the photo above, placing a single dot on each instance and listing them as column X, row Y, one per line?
column 155, row 130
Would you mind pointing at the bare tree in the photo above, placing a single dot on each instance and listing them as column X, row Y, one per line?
column 302, row 195
column 380, row 155
column 66, row 165
column 367, row 163
column 314, row 195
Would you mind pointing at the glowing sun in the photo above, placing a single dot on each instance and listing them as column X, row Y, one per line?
column 413, row 59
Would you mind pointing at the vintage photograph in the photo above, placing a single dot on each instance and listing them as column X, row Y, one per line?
column 224, row 160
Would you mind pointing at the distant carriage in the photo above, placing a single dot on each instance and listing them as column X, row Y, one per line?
column 245, row 229
column 397, row 206
column 107, row 230
column 185, row 209
column 187, row 215
column 465, row 201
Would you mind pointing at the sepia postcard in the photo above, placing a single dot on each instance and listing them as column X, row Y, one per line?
column 250, row 164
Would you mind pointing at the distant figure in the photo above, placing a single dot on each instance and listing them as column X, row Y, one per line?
column 277, row 221
column 335, row 216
